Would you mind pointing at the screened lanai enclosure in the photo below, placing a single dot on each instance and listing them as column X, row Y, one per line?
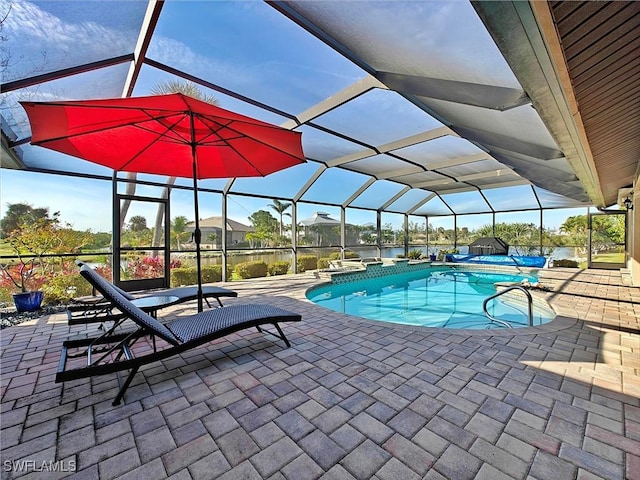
column 425, row 125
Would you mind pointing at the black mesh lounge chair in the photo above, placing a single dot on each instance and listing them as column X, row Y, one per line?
column 99, row 310
column 114, row 352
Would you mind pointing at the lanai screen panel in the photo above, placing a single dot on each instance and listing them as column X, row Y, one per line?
column 251, row 49
column 466, row 202
column 335, row 185
column 482, row 166
column 511, row 198
column 48, row 36
column 553, row 200
column 519, row 129
column 377, row 194
column 377, row 117
column 499, row 180
column 381, row 165
column 429, row 179
column 434, row 207
column 322, row 146
column 41, row 158
column 282, row 184
column 151, row 78
column 408, row 201
column 103, row 83
column 439, row 152
column 437, row 39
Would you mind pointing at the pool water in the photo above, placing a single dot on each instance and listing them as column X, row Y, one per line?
column 445, row 298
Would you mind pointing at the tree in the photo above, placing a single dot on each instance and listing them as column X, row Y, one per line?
column 575, row 225
column 264, row 223
column 179, row 228
column 575, row 228
column 138, row 223
column 608, row 231
column 280, row 207
column 523, row 237
column 19, row 213
column 32, row 241
column 192, row 90
column 186, row 88
column 387, row 233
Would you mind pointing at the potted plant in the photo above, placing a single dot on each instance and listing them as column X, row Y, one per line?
column 30, row 242
column 24, row 276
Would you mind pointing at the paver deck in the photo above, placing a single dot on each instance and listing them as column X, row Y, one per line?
column 351, row 399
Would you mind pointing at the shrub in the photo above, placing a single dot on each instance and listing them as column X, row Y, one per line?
column 415, row 254
column 251, row 269
column 189, row 275
column 565, row 262
column 148, row 267
column 348, row 254
column 62, row 288
column 307, row 262
column 278, row 268
column 324, row 262
column 105, row 272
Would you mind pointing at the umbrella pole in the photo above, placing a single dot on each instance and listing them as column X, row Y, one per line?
column 197, row 233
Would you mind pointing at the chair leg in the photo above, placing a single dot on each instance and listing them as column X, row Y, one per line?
column 279, row 335
column 124, row 386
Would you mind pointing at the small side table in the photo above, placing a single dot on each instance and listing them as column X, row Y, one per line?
column 153, row 303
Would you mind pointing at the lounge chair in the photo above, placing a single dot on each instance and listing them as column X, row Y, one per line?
column 97, row 309
column 113, row 352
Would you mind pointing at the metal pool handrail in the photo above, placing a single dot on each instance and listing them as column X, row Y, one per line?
column 502, row 292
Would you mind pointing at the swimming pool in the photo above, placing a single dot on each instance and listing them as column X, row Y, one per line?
column 439, row 297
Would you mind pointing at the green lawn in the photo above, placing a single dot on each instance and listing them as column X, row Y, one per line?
column 612, row 257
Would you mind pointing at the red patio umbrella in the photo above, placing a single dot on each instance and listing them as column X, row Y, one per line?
column 174, row 135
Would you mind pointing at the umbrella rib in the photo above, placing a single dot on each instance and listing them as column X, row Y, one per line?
column 100, row 129
column 241, row 135
column 168, row 128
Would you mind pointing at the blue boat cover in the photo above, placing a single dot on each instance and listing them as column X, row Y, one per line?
column 506, row 260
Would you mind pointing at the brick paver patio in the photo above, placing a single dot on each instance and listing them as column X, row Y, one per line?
column 351, row 399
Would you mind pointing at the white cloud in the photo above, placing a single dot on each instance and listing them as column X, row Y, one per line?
column 37, row 41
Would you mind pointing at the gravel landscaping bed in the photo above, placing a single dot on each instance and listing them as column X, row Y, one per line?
column 10, row 317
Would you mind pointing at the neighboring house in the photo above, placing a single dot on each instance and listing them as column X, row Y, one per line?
column 236, row 231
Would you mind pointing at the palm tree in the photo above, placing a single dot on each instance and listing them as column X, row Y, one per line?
column 137, row 223
column 178, row 227
column 280, row 207
column 192, row 90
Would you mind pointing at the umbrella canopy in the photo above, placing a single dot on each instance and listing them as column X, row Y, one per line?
column 174, row 135
column 164, row 135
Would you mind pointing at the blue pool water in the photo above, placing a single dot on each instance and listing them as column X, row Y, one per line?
column 438, row 297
